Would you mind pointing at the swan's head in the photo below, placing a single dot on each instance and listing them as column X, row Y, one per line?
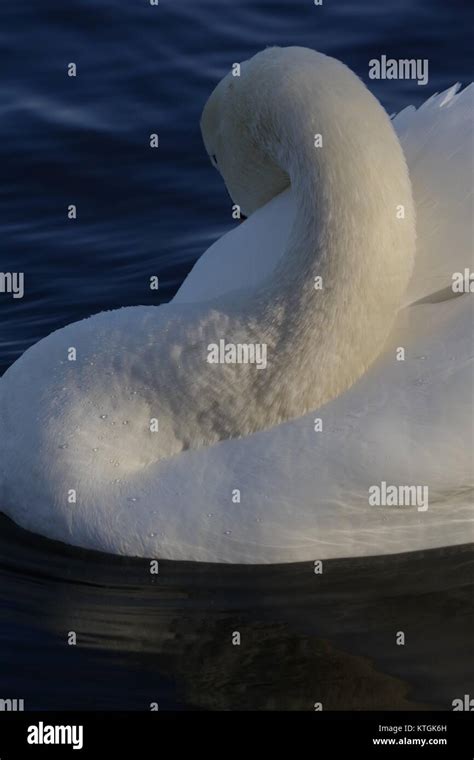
column 239, row 149
column 259, row 130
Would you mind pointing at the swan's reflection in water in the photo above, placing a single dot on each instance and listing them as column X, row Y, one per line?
column 306, row 638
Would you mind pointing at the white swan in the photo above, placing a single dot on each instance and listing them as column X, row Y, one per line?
column 80, row 460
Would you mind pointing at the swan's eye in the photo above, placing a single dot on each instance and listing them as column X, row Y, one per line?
column 214, row 161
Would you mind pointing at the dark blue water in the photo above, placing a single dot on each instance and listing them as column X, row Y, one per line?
column 142, row 212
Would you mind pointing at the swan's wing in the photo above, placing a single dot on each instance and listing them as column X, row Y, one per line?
column 243, row 257
column 438, row 142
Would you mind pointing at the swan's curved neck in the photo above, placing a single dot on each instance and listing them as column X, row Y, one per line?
column 334, row 295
